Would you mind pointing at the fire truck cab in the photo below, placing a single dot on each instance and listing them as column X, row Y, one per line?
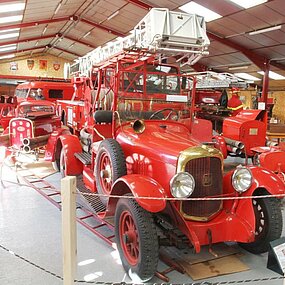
column 44, row 90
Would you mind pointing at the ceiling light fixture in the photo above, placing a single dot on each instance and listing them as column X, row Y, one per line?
column 273, row 75
column 57, row 8
column 8, row 36
column 87, row 34
column 265, row 30
column 194, row 8
column 113, row 15
column 7, row 56
column 248, row 3
column 9, row 30
column 239, row 67
column 247, row 76
column 11, row 19
column 12, row 7
column 45, row 29
column 7, row 47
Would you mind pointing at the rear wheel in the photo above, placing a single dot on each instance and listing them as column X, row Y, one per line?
column 110, row 165
column 136, row 239
column 269, row 224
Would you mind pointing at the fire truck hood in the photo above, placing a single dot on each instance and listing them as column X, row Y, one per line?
column 158, row 140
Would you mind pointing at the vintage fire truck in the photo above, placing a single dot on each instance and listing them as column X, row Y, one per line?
column 28, row 126
column 45, row 89
column 243, row 131
column 136, row 144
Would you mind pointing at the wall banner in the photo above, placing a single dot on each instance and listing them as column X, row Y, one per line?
column 43, row 64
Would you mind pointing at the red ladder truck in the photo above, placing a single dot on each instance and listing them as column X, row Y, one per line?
column 132, row 144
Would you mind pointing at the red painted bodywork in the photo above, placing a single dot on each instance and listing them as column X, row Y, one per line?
column 31, row 119
column 154, row 148
column 51, row 91
column 250, row 132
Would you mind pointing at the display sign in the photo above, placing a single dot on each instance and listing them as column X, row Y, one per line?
column 276, row 256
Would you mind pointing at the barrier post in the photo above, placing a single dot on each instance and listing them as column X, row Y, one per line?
column 69, row 240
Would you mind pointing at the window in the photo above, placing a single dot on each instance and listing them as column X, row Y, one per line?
column 22, row 93
column 55, row 93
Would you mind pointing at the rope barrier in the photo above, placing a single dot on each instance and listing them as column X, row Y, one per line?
column 184, row 199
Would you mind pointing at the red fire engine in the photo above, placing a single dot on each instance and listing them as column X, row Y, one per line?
column 133, row 138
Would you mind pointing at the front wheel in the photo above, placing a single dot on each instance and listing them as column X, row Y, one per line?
column 268, row 226
column 136, row 239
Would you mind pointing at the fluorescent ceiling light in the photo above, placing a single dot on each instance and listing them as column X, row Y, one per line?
column 247, row 76
column 12, row 7
column 9, row 30
column 57, row 8
column 11, row 19
column 248, row 3
column 44, row 30
column 273, row 75
column 269, row 29
column 239, row 67
column 87, row 34
column 113, row 15
column 7, row 56
column 194, row 8
column 10, row 35
column 7, row 47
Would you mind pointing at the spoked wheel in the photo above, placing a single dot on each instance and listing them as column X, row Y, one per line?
column 136, row 239
column 62, row 163
column 110, row 165
column 269, row 224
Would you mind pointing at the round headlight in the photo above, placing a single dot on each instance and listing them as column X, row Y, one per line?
column 182, row 185
column 241, row 179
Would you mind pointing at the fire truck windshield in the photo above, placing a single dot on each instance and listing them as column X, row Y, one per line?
column 144, row 93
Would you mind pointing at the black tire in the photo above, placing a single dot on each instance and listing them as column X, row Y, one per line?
column 62, row 163
column 269, row 224
column 110, row 164
column 140, row 255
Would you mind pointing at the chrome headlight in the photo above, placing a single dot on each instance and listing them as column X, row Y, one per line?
column 182, row 185
column 242, row 179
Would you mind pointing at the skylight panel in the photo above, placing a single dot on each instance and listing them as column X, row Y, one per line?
column 8, row 47
column 7, row 56
column 11, row 19
column 247, row 76
column 9, row 30
column 248, row 3
column 194, row 8
column 12, row 7
column 273, row 75
column 8, row 36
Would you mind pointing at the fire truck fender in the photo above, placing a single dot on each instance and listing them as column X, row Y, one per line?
column 71, row 145
column 265, row 179
column 221, row 145
column 140, row 186
column 54, row 143
column 261, row 179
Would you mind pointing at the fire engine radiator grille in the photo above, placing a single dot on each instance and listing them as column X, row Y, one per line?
column 208, row 176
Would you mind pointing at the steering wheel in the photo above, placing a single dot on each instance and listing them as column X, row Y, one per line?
column 171, row 110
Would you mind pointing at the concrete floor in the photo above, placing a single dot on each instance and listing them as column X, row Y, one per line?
column 30, row 226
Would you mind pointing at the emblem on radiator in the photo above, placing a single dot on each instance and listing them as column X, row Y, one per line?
column 207, row 179
column 20, row 129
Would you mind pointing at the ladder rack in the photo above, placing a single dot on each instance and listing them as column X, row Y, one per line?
column 161, row 32
column 210, row 79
